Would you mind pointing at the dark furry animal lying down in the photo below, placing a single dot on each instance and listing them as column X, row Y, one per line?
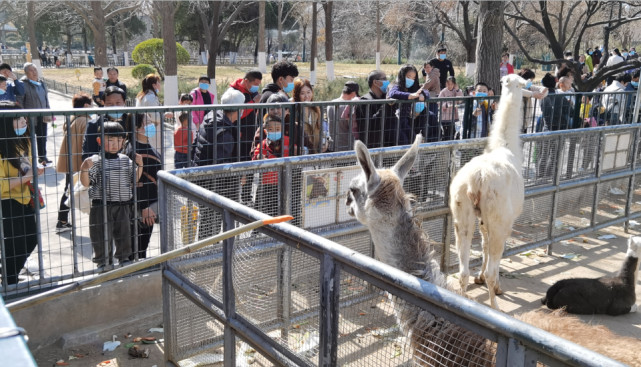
column 605, row 295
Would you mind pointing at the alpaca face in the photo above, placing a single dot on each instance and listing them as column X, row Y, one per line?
column 373, row 193
column 513, row 82
column 634, row 246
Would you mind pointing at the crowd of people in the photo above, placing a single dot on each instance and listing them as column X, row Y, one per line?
column 116, row 155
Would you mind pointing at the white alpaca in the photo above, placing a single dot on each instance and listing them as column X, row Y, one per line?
column 490, row 187
column 377, row 199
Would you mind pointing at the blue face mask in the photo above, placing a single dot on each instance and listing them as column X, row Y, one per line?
column 253, row 89
column 409, row 82
column 419, row 107
column 289, row 87
column 480, row 94
column 115, row 115
column 275, row 136
column 442, row 56
column 2, row 91
column 150, row 130
column 528, row 84
column 384, row 86
column 635, row 84
column 35, row 83
column 20, row 131
column 157, row 91
column 203, row 86
column 590, row 53
column 632, row 53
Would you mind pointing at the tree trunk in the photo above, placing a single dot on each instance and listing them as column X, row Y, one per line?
column 279, row 48
column 262, row 58
column 329, row 40
column 113, row 40
column 99, row 37
column 84, row 38
column 490, row 44
column 169, row 37
column 31, row 13
column 314, row 45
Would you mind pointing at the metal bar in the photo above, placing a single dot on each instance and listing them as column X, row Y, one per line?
column 515, row 353
column 329, row 312
column 229, row 298
column 258, row 339
column 116, row 273
column 72, row 199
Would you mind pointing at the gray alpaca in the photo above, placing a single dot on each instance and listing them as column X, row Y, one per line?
column 377, row 199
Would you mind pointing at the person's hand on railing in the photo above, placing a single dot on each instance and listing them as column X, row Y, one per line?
column 540, row 95
column 148, row 217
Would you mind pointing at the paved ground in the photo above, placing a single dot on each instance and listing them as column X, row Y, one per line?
column 525, row 278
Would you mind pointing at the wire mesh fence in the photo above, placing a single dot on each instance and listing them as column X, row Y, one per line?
column 311, row 188
column 295, row 298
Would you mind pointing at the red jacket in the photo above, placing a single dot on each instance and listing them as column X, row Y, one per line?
column 237, row 84
column 270, row 151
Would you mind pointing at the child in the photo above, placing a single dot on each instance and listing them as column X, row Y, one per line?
column 274, row 145
column 4, row 96
column 181, row 142
column 99, row 86
column 118, row 173
column 481, row 111
column 449, row 112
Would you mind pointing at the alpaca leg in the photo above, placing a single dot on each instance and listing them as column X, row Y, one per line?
column 480, row 279
column 463, row 231
column 495, row 250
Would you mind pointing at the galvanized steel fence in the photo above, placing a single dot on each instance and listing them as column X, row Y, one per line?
column 274, row 186
column 292, row 296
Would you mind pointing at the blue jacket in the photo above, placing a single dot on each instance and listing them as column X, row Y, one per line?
column 14, row 91
column 404, row 123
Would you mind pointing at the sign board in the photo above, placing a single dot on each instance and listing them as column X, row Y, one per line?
column 324, row 195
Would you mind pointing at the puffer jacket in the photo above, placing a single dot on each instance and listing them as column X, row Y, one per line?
column 432, row 82
column 449, row 112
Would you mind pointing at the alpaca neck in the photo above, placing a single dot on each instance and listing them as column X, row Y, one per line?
column 505, row 130
column 405, row 247
column 629, row 270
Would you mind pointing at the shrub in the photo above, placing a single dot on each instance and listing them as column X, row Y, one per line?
column 151, row 52
column 141, row 70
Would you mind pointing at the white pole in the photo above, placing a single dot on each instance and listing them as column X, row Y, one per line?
column 378, row 61
column 262, row 62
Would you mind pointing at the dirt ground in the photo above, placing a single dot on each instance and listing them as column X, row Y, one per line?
column 524, row 279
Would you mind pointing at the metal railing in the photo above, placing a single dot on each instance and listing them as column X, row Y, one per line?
column 290, row 297
column 13, row 347
column 62, row 258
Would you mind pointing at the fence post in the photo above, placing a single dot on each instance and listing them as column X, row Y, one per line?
column 66, row 90
column 329, row 297
column 467, row 122
column 229, row 305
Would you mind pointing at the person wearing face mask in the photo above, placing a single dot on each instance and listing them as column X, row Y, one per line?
column 274, row 145
column 309, row 118
column 529, row 106
column 408, row 88
column 114, row 97
column 36, row 96
column 596, row 56
column 141, row 130
column 201, row 96
column 443, row 65
column 16, row 174
column 372, row 118
column 283, row 75
column 148, row 97
column 15, row 87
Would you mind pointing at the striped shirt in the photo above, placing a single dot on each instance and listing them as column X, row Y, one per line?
column 119, row 175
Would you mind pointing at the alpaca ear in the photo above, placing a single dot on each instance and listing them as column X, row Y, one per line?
column 403, row 166
column 367, row 165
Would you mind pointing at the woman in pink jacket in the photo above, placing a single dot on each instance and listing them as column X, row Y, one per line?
column 449, row 112
column 201, row 96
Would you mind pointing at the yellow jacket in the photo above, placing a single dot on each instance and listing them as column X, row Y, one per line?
column 19, row 193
